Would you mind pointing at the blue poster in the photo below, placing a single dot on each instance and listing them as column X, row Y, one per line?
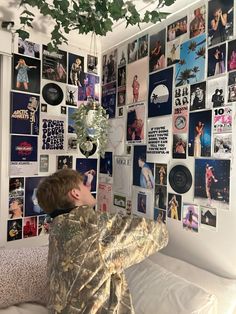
column 24, row 148
column 90, row 88
column 109, row 99
column 24, row 114
column 88, row 168
column 160, row 93
column 71, row 122
column 31, row 203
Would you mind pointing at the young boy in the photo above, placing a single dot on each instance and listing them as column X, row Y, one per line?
column 88, row 251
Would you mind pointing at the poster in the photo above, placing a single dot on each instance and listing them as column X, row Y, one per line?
column 212, row 183
column 160, row 93
column 157, row 58
column 119, row 201
column 24, row 114
column 192, row 52
column 199, row 138
column 71, row 95
column 52, row 134
column 122, row 55
column 16, row 198
column 222, row 145
column 180, row 144
column 136, row 81
column 136, row 117
column 30, row 227
column 232, row 86
column 43, row 163
column 143, row 46
column 54, row 65
column 222, row 119
column 182, row 96
column 180, row 118
column 76, row 70
column 231, row 55
column 143, row 171
column 31, row 203
column 160, row 196
column 28, row 48
column 190, row 217
column 160, row 174
column 122, row 175
column 109, row 66
column 116, row 136
column 197, row 21
column 53, row 95
column 209, row 218
column 198, row 96
column 88, row 168
column 216, row 91
column 159, row 139
column 14, row 229
column 26, row 74
column 217, row 10
column 90, row 87
column 92, row 64
column 64, row 162
column 174, row 206
column 106, row 168
column 216, row 60
column 159, row 214
column 24, row 151
column 104, row 199
column 71, row 121
column 72, row 143
column 133, row 51
column 178, row 28
column 109, row 99
column 142, row 203
column 173, row 50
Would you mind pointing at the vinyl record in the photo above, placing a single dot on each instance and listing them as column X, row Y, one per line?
column 180, row 179
column 90, row 148
column 52, row 94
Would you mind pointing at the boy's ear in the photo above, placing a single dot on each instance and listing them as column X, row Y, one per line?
column 74, row 193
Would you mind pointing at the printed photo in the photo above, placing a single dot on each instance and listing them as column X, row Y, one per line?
column 92, row 64
column 159, row 215
column 208, row 218
column 177, row 29
column 174, row 206
column 71, row 121
column 122, row 55
column 106, row 167
column 161, row 174
column 136, row 123
column 216, row 90
column 160, row 196
column 121, row 98
column 212, row 183
column 43, row 224
column 122, row 76
column 143, row 46
column 71, row 95
column 64, row 162
column 190, row 217
column 216, row 60
column 142, row 200
column 32, row 207
column 26, row 74
column 142, row 203
column 76, row 70
column 198, row 96
column 192, row 53
column 119, row 201
column 173, row 51
column 182, row 96
column 179, row 145
column 133, row 51
column 30, row 227
column 88, row 168
column 157, row 59
column 14, row 229
column 16, row 187
column 16, row 207
column 90, row 88
column 43, row 163
column 28, row 48
column 220, row 21
column 197, row 22
column 222, row 145
column 231, row 55
column 232, row 87
column 104, row 197
column 109, row 65
column 109, row 99
column 222, row 121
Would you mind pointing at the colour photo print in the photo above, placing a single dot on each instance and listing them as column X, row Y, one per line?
column 76, row 70
column 88, row 168
column 216, row 91
column 136, row 123
column 192, row 52
column 26, row 74
column 109, row 66
column 190, row 217
column 28, row 48
column 216, row 60
column 32, row 207
column 212, row 183
column 174, row 206
column 157, row 59
column 178, row 28
column 197, row 21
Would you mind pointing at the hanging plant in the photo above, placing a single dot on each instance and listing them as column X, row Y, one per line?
column 96, row 16
column 91, row 127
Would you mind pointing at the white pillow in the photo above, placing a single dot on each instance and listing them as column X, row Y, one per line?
column 23, row 276
column 155, row 290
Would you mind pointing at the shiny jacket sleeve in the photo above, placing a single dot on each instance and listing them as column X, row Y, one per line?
column 125, row 240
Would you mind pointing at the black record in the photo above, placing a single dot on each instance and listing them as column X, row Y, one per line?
column 52, row 94
column 90, row 150
column 180, row 179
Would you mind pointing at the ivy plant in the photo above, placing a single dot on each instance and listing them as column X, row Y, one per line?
column 96, row 16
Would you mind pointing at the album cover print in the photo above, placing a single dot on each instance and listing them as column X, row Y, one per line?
column 212, row 183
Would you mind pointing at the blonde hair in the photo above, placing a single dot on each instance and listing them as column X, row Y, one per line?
column 52, row 192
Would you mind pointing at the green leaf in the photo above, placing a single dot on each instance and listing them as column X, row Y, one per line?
column 23, row 34
column 169, row 2
column 27, row 12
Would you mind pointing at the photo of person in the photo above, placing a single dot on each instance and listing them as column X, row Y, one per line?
column 31, row 202
column 15, row 208
column 89, row 89
column 26, row 74
column 109, row 65
column 177, row 29
column 173, row 51
column 191, row 67
column 198, row 96
column 216, row 60
column 143, row 46
column 159, row 215
column 142, row 203
column 106, row 164
column 190, row 217
column 88, row 168
column 76, row 70
column 197, row 22
column 161, row 174
column 199, row 139
column 16, row 187
column 160, row 196
column 133, row 51
column 231, row 55
column 174, row 206
column 121, row 96
column 208, row 218
column 14, row 229
column 71, row 95
column 28, row 48
column 44, row 107
column 122, row 55
column 122, row 76
column 157, row 51
column 179, row 145
column 182, row 98
column 222, row 145
column 54, row 65
column 135, row 123
column 92, row 63
column 216, row 89
column 136, row 81
column 232, row 87
column 220, row 21
column 64, row 162
column 142, row 170
column 109, row 99
column 43, row 224
column 214, row 176
column 30, row 227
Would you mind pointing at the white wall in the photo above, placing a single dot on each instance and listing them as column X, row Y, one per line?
column 211, row 250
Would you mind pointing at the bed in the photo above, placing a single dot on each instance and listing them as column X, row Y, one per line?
column 159, row 285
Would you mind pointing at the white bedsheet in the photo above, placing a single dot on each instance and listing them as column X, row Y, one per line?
column 224, row 289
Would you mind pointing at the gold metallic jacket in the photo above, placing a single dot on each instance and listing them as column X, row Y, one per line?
column 88, row 252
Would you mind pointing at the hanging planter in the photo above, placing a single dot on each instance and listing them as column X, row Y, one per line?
column 91, row 127
column 96, row 16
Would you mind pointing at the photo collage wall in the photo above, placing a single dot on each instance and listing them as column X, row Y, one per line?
column 47, row 87
column 170, row 95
